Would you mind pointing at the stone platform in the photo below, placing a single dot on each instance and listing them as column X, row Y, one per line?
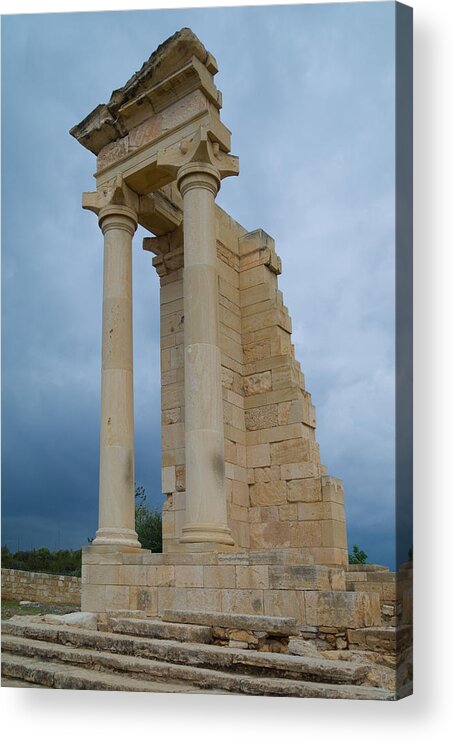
column 277, row 582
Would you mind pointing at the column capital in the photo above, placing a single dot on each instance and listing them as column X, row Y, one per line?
column 115, row 195
column 117, row 217
column 198, row 175
column 198, row 155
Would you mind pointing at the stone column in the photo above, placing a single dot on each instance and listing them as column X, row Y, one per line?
column 118, row 223
column 206, row 508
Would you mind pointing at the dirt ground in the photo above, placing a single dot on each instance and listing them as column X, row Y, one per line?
column 14, row 608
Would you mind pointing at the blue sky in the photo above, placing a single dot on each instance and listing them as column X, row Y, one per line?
column 308, row 93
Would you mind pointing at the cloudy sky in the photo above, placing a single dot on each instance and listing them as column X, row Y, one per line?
column 308, row 93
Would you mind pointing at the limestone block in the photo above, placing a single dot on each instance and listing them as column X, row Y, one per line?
column 288, row 512
column 207, row 599
column 172, row 396
column 265, row 514
column 230, row 396
column 169, row 417
column 177, row 357
column 188, row 576
column 332, row 490
column 334, row 534
column 168, row 524
column 173, row 436
column 133, row 574
column 241, row 534
column 235, row 434
column 228, row 290
column 302, row 470
column 305, row 534
column 256, row 294
column 290, row 451
column 117, row 597
column 270, row 535
column 261, row 417
column 285, row 376
column 268, row 493
column 257, row 351
column 240, row 494
column 333, row 556
column 231, row 349
column 222, row 576
column 267, row 474
column 254, row 276
column 269, row 318
column 102, row 574
column 230, row 451
column 239, row 513
column 179, row 501
column 254, row 577
column 93, row 598
column 168, row 479
column 257, row 383
column 180, row 520
column 173, row 457
column 305, row 491
column 241, row 455
column 278, row 433
column 285, row 603
column 250, row 476
column 260, row 307
column 342, row 609
column 171, row 292
column 254, row 515
column 320, row 510
column 242, row 601
column 299, row 577
column 144, row 599
column 258, row 455
column 161, row 575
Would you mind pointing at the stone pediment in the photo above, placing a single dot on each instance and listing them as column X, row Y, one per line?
column 178, row 67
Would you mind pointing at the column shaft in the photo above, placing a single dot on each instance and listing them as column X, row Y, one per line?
column 206, row 508
column 116, row 469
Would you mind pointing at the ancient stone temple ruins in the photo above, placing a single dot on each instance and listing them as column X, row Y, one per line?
column 252, row 521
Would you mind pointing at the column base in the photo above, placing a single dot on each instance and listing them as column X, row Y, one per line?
column 205, row 533
column 116, row 537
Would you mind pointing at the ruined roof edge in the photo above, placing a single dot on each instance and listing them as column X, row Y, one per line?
column 170, row 56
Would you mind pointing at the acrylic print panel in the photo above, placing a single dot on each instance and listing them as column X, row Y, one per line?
column 257, row 539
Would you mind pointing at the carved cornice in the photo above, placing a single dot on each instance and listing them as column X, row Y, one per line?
column 178, row 66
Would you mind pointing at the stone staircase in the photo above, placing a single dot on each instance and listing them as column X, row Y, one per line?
column 154, row 655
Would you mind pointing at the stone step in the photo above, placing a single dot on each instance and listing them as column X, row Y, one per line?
column 61, row 666
column 274, row 625
column 156, row 629
column 39, row 673
column 314, row 669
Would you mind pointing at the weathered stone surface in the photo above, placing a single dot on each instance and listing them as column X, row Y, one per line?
column 339, row 609
column 96, row 654
column 278, row 625
column 81, row 619
column 160, row 629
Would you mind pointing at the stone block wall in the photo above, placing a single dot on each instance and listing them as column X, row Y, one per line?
column 278, row 493
column 394, row 589
column 43, row 588
column 276, row 582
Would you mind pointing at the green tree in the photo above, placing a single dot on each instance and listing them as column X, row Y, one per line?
column 357, row 556
column 148, row 522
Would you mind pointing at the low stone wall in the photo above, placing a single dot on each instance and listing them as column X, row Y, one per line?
column 395, row 590
column 43, row 588
column 270, row 582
